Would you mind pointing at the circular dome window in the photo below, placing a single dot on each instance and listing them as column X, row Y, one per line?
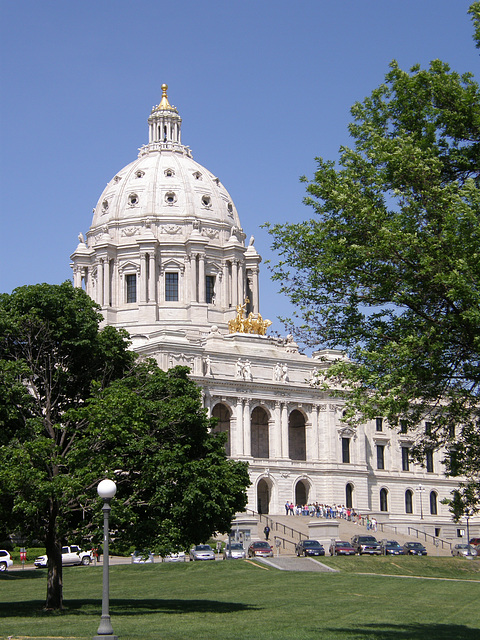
column 170, row 197
column 206, row 201
column 133, row 199
column 169, row 173
column 140, row 173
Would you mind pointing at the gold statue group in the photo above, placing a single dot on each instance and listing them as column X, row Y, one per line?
column 253, row 323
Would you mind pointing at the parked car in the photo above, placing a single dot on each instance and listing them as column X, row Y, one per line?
column 464, row 550
column 202, row 552
column 341, row 548
column 366, row 544
column 414, row 549
column 5, row 560
column 70, row 555
column 260, row 548
column 175, row 557
column 309, row 548
column 142, row 557
column 475, row 542
column 233, row 551
column 391, row 548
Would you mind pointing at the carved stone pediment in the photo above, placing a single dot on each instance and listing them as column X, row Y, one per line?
column 347, row 432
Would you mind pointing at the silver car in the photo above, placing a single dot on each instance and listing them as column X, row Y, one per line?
column 202, row 552
column 233, row 551
column 464, row 550
column 142, row 557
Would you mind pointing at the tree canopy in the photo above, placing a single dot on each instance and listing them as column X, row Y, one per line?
column 75, row 408
column 388, row 270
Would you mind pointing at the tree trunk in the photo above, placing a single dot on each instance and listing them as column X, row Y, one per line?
column 54, row 562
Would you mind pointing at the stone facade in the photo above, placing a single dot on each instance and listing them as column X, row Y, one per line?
column 166, row 259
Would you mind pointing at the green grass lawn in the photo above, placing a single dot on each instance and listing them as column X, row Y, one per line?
column 239, row 601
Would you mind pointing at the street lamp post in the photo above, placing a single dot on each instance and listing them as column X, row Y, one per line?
column 467, row 516
column 421, row 489
column 106, row 490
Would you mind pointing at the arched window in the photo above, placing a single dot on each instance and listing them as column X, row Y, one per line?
column 433, row 503
column 301, row 492
column 349, row 496
column 221, row 412
column 408, row 501
column 263, row 496
column 383, row 500
column 259, row 433
column 296, row 436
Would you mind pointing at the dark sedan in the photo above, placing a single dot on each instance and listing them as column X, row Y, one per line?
column 309, row 548
column 341, row 548
column 391, row 548
column 414, row 549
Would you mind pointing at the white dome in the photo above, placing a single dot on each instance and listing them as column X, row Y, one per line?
column 168, row 186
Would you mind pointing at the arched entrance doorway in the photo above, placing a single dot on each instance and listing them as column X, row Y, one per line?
column 297, row 449
column 301, row 492
column 222, row 413
column 259, row 433
column 263, row 496
column 349, row 496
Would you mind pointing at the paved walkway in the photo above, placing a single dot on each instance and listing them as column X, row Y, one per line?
column 296, row 564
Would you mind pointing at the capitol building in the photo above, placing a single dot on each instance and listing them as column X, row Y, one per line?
column 166, row 258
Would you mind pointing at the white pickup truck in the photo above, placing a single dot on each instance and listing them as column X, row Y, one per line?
column 70, row 555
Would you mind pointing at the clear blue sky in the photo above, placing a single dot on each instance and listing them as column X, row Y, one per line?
column 262, row 86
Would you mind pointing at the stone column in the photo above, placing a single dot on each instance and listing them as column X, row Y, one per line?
column 247, row 435
column 241, row 282
column 312, row 434
column 276, row 432
column 201, row 278
column 234, row 283
column 77, row 277
column 255, row 291
column 284, row 429
column 239, row 429
column 101, row 283
column 142, row 279
column 188, row 280
column 151, row 277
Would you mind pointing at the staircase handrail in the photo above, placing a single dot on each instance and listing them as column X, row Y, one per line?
column 276, row 526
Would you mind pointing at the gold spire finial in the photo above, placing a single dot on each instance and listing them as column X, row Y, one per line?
column 164, row 103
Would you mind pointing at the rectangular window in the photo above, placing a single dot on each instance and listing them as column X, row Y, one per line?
column 379, row 424
column 403, row 426
column 429, row 460
column 171, row 287
column 380, row 456
column 346, row 450
column 451, row 431
column 210, row 289
column 131, row 282
column 405, row 459
column 428, row 428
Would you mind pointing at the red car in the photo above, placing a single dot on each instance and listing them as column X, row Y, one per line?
column 260, row 548
column 341, row 548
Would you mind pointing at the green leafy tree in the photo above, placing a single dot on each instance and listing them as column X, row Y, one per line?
column 388, row 270
column 51, row 351
column 76, row 408
column 175, row 484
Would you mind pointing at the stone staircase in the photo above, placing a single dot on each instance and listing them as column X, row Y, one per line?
column 290, row 529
